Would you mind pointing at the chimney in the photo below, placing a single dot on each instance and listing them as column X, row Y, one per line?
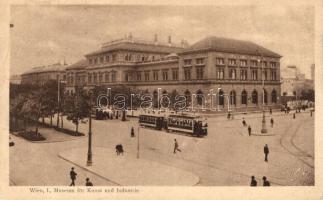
column 156, row 39
column 169, row 40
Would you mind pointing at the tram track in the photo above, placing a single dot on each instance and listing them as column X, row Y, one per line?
column 289, row 138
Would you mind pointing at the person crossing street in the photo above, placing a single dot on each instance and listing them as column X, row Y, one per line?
column 176, row 146
column 73, row 176
column 266, row 152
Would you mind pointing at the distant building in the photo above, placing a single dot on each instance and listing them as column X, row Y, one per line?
column 15, row 79
column 39, row 75
column 294, row 82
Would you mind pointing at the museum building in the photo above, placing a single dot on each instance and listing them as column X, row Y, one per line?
column 230, row 68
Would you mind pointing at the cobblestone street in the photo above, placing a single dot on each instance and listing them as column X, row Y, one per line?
column 227, row 156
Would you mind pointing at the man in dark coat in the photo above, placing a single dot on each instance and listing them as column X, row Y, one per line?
column 253, row 182
column 272, row 122
column 132, row 132
column 244, row 122
column 73, row 176
column 176, row 146
column 266, row 151
column 266, row 182
column 249, row 130
column 88, row 182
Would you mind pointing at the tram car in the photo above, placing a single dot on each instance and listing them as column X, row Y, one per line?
column 192, row 125
column 152, row 121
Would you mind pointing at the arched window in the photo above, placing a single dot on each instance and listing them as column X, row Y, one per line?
column 187, row 94
column 265, row 97
column 221, row 98
column 199, row 97
column 274, row 96
column 232, row 97
column 254, row 97
column 244, row 97
column 155, row 99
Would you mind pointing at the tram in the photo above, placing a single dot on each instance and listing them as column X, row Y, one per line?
column 153, row 121
column 191, row 125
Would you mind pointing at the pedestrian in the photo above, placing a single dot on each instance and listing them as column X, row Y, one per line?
column 132, row 132
column 249, row 130
column 266, row 151
column 270, row 111
column 229, row 115
column 294, row 116
column 311, row 113
column 244, row 122
column 73, row 176
column 176, row 146
column 253, row 182
column 272, row 122
column 266, row 182
column 88, row 182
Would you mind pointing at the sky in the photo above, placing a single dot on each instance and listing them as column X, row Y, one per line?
column 44, row 35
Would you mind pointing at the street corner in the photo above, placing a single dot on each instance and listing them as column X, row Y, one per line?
column 127, row 170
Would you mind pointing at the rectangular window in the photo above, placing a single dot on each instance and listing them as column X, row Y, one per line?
column 155, row 75
column 243, row 63
column 146, row 76
column 138, row 76
column 100, row 77
column 107, row 58
column 243, row 74
column 95, row 77
column 188, row 62
column 272, row 64
column 200, row 61
column 254, row 63
column 220, row 61
column 165, row 75
column 106, row 76
column 232, row 73
column 232, row 62
column 101, row 59
column 273, row 75
column 220, row 73
column 199, row 72
column 175, row 74
column 254, row 74
column 265, row 75
column 95, row 61
column 89, row 77
column 264, row 64
column 187, row 73
column 90, row 61
column 114, row 57
column 113, row 76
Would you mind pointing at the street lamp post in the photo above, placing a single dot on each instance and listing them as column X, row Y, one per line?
column 263, row 123
column 89, row 152
column 138, row 143
column 58, row 99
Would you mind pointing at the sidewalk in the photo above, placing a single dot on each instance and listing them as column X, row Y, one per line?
column 127, row 170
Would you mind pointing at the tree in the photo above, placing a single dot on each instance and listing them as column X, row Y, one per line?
column 31, row 109
column 49, row 99
column 77, row 107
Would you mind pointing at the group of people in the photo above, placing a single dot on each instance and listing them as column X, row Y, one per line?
column 253, row 183
column 244, row 123
column 73, row 175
